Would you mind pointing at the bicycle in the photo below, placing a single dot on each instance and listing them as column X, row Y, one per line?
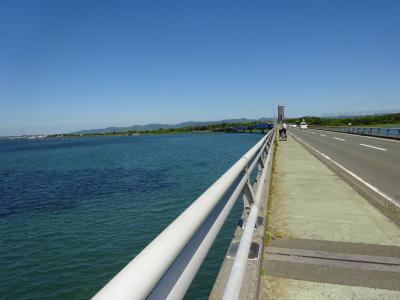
column 282, row 135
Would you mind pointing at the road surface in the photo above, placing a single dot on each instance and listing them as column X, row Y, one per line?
column 375, row 161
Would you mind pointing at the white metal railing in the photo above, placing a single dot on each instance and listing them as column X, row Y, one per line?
column 235, row 279
column 165, row 268
column 387, row 132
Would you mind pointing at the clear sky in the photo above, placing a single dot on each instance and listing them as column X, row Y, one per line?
column 68, row 65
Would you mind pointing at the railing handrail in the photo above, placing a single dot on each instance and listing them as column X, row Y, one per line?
column 137, row 279
column 235, row 279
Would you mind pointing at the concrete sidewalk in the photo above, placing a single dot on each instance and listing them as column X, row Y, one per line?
column 327, row 241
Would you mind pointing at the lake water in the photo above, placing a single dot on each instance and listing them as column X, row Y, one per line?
column 73, row 212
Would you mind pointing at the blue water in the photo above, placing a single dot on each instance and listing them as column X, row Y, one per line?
column 73, row 212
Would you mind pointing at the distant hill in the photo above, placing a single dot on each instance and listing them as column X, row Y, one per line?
column 155, row 126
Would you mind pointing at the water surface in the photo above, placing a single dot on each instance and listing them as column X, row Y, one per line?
column 73, row 212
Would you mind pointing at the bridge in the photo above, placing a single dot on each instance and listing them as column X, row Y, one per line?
column 321, row 217
column 259, row 127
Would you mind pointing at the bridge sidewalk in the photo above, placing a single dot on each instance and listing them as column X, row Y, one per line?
column 327, row 241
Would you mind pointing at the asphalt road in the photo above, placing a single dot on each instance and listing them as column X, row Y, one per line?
column 375, row 160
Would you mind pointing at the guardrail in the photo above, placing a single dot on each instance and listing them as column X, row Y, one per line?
column 392, row 133
column 166, row 267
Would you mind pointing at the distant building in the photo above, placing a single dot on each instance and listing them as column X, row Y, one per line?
column 281, row 113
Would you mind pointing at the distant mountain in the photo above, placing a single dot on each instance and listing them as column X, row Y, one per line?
column 155, row 126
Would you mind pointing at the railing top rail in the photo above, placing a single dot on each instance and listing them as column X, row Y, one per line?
column 137, row 279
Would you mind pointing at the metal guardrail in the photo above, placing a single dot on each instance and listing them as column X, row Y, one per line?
column 235, row 280
column 166, row 267
column 392, row 133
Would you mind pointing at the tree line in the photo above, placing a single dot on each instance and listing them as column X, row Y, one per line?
column 221, row 127
column 354, row 121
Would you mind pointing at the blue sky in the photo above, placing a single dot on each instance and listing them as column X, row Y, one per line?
column 68, row 65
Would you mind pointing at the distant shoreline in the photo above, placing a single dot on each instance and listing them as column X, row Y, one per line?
column 387, row 120
column 92, row 135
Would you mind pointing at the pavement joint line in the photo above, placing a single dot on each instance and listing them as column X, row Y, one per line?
column 355, row 265
column 336, row 256
column 376, row 190
column 356, row 248
column 374, row 147
column 345, row 277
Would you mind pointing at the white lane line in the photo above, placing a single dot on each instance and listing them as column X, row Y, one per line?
column 336, row 138
column 322, row 134
column 376, row 190
column 312, row 132
column 373, row 147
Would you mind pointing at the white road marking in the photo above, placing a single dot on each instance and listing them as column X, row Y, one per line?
column 336, row 138
column 313, row 132
column 395, row 204
column 322, row 134
column 373, row 147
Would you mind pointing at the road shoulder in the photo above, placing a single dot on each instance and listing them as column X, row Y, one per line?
column 312, row 203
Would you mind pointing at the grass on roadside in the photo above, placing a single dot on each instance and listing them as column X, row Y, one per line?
column 268, row 232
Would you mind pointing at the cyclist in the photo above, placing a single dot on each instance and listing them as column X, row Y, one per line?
column 282, row 131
